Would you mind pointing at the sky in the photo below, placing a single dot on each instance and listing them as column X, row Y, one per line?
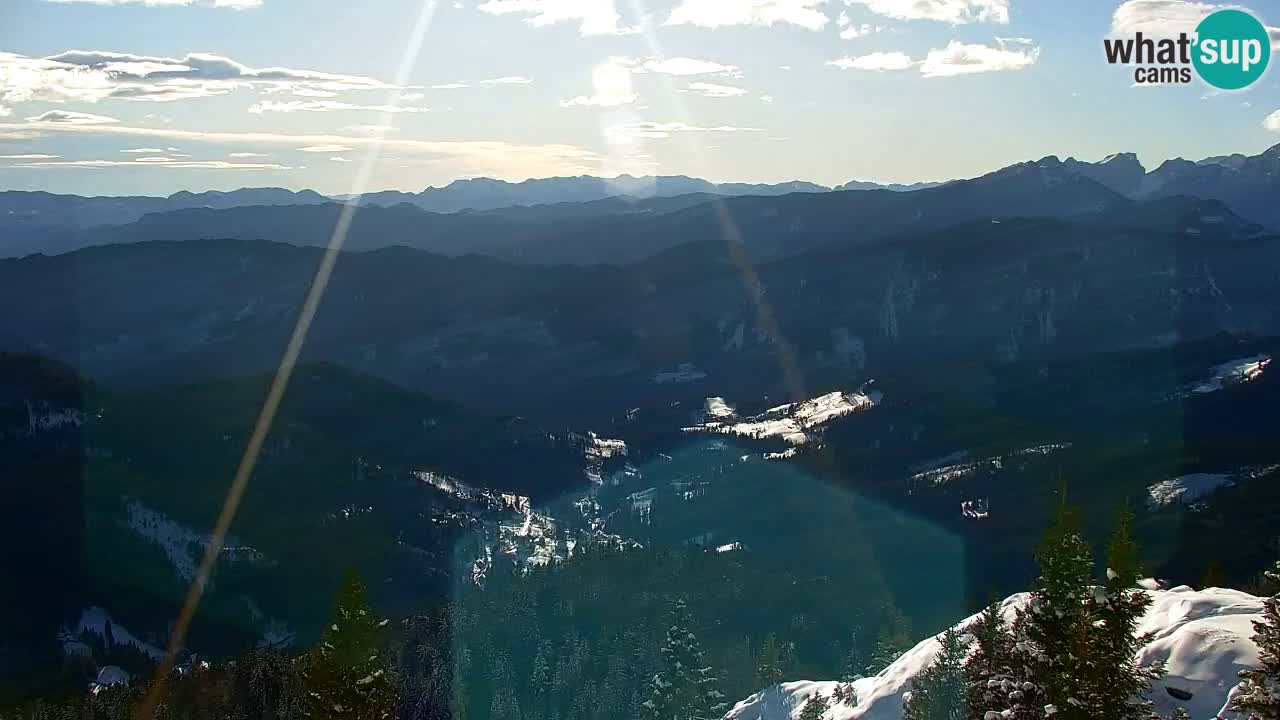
column 148, row 97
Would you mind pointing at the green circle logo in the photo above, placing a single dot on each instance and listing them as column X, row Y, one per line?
column 1232, row 51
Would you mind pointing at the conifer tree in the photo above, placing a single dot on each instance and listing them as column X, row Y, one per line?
column 686, row 688
column 346, row 676
column 1260, row 687
column 1051, row 643
column 815, row 708
column 938, row 693
column 770, row 663
column 990, row 664
column 1115, row 683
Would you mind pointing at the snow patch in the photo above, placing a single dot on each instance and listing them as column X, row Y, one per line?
column 94, row 620
column 182, row 545
column 1234, row 372
column 794, row 423
column 1203, row 637
column 1184, row 489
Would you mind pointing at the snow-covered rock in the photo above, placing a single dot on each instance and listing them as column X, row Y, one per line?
column 795, row 423
column 1186, row 488
column 1202, row 636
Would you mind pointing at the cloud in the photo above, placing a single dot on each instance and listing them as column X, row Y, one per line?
column 594, row 17
column 1159, row 17
column 611, row 87
column 724, row 13
column 685, row 66
column 657, row 130
column 370, row 129
column 766, row 98
column 93, row 75
column 144, row 151
column 599, row 100
column 491, row 158
column 878, row 61
column 851, row 32
column 247, row 154
column 327, row 106
column 154, row 163
column 1166, row 18
column 33, row 156
column 324, row 149
column 1272, row 122
column 70, row 117
column 712, row 90
column 956, row 12
column 507, row 80
column 450, row 86
column 959, row 58
column 339, row 158
column 228, row 4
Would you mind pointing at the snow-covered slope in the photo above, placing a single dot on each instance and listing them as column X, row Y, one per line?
column 1202, row 636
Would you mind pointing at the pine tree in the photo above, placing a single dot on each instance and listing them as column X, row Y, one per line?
column 815, row 708
column 893, row 640
column 1115, row 683
column 1260, row 687
column 990, row 665
column 345, row 676
column 770, row 668
column 938, row 693
column 1051, row 645
column 686, row 688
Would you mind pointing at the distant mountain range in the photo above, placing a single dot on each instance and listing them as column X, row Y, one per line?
column 586, row 220
column 488, row 194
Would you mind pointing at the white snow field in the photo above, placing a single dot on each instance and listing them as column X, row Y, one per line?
column 1202, row 636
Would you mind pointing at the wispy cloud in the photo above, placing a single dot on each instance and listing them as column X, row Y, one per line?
column 144, row 151
column 93, row 75
column 491, row 158
column 70, row 117
column 450, row 86
column 33, row 156
column 507, row 80
column 959, row 58
column 594, row 17
column 324, row 149
column 153, row 163
column 370, row 129
column 713, row 90
column 339, row 158
column 228, row 4
column 1159, row 17
column 289, row 106
column 878, row 61
column 247, row 154
column 850, row 30
column 686, row 66
column 956, row 12
column 1272, row 122
column 956, row 58
column 659, row 130
column 723, row 13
